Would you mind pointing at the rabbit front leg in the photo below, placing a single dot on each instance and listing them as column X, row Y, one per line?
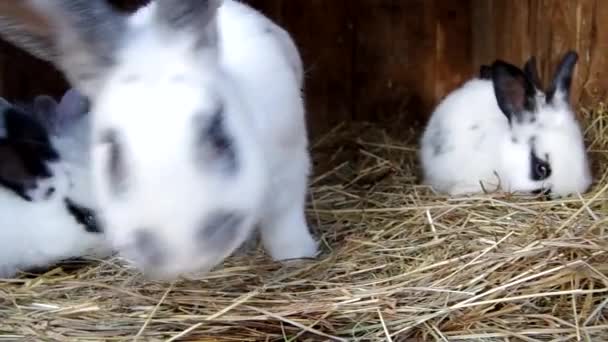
column 286, row 236
column 284, row 231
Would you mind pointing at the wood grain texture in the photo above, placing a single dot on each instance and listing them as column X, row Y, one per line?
column 377, row 60
column 323, row 31
column 517, row 29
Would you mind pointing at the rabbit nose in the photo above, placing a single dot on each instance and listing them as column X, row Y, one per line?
column 149, row 248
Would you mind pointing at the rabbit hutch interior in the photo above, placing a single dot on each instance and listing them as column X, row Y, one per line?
column 403, row 256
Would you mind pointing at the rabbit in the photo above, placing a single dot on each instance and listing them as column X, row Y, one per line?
column 38, row 232
column 502, row 132
column 199, row 135
column 28, row 158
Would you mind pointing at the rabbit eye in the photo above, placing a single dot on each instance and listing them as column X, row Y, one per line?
column 541, row 169
column 213, row 145
column 115, row 167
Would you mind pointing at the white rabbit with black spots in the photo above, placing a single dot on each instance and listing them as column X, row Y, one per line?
column 503, row 132
column 199, row 131
column 37, row 232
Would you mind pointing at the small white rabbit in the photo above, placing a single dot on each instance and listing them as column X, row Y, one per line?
column 199, row 128
column 501, row 131
column 39, row 231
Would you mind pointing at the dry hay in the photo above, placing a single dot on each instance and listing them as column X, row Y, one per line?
column 399, row 263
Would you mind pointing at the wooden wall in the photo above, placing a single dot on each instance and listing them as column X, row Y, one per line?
column 392, row 60
column 377, row 59
column 514, row 29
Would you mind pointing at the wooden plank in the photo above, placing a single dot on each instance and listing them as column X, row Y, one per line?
column 394, row 60
column 591, row 83
column 323, row 31
column 453, row 46
column 515, row 30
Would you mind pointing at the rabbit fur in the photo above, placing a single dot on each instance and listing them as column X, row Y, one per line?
column 39, row 231
column 199, row 131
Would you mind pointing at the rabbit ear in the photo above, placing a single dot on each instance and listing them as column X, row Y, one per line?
column 514, row 92
column 45, row 111
column 56, row 116
column 26, row 29
column 531, row 71
column 195, row 16
column 83, row 36
column 562, row 80
column 485, row 72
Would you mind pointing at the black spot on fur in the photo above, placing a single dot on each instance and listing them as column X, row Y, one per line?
column 25, row 153
column 49, row 192
column 213, row 144
column 84, row 216
column 115, row 167
column 149, row 248
column 438, row 142
column 220, row 229
column 23, row 128
column 514, row 140
column 268, row 30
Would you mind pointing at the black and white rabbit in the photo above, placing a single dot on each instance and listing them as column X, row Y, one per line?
column 28, row 159
column 199, row 128
column 502, row 131
column 37, row 231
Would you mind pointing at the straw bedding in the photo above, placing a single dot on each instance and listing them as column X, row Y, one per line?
column 399, row 263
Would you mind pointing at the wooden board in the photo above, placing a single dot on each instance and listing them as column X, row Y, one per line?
column 387, row 60
column 517, row 29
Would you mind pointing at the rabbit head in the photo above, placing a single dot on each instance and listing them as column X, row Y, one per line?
column 177, row 171
column 545, row 151
column 69, row 126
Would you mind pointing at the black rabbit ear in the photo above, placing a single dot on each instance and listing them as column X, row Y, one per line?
column 562, row 80
column 24, row 128
column 514, row 92
column 531, row 71
column 485, row 72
